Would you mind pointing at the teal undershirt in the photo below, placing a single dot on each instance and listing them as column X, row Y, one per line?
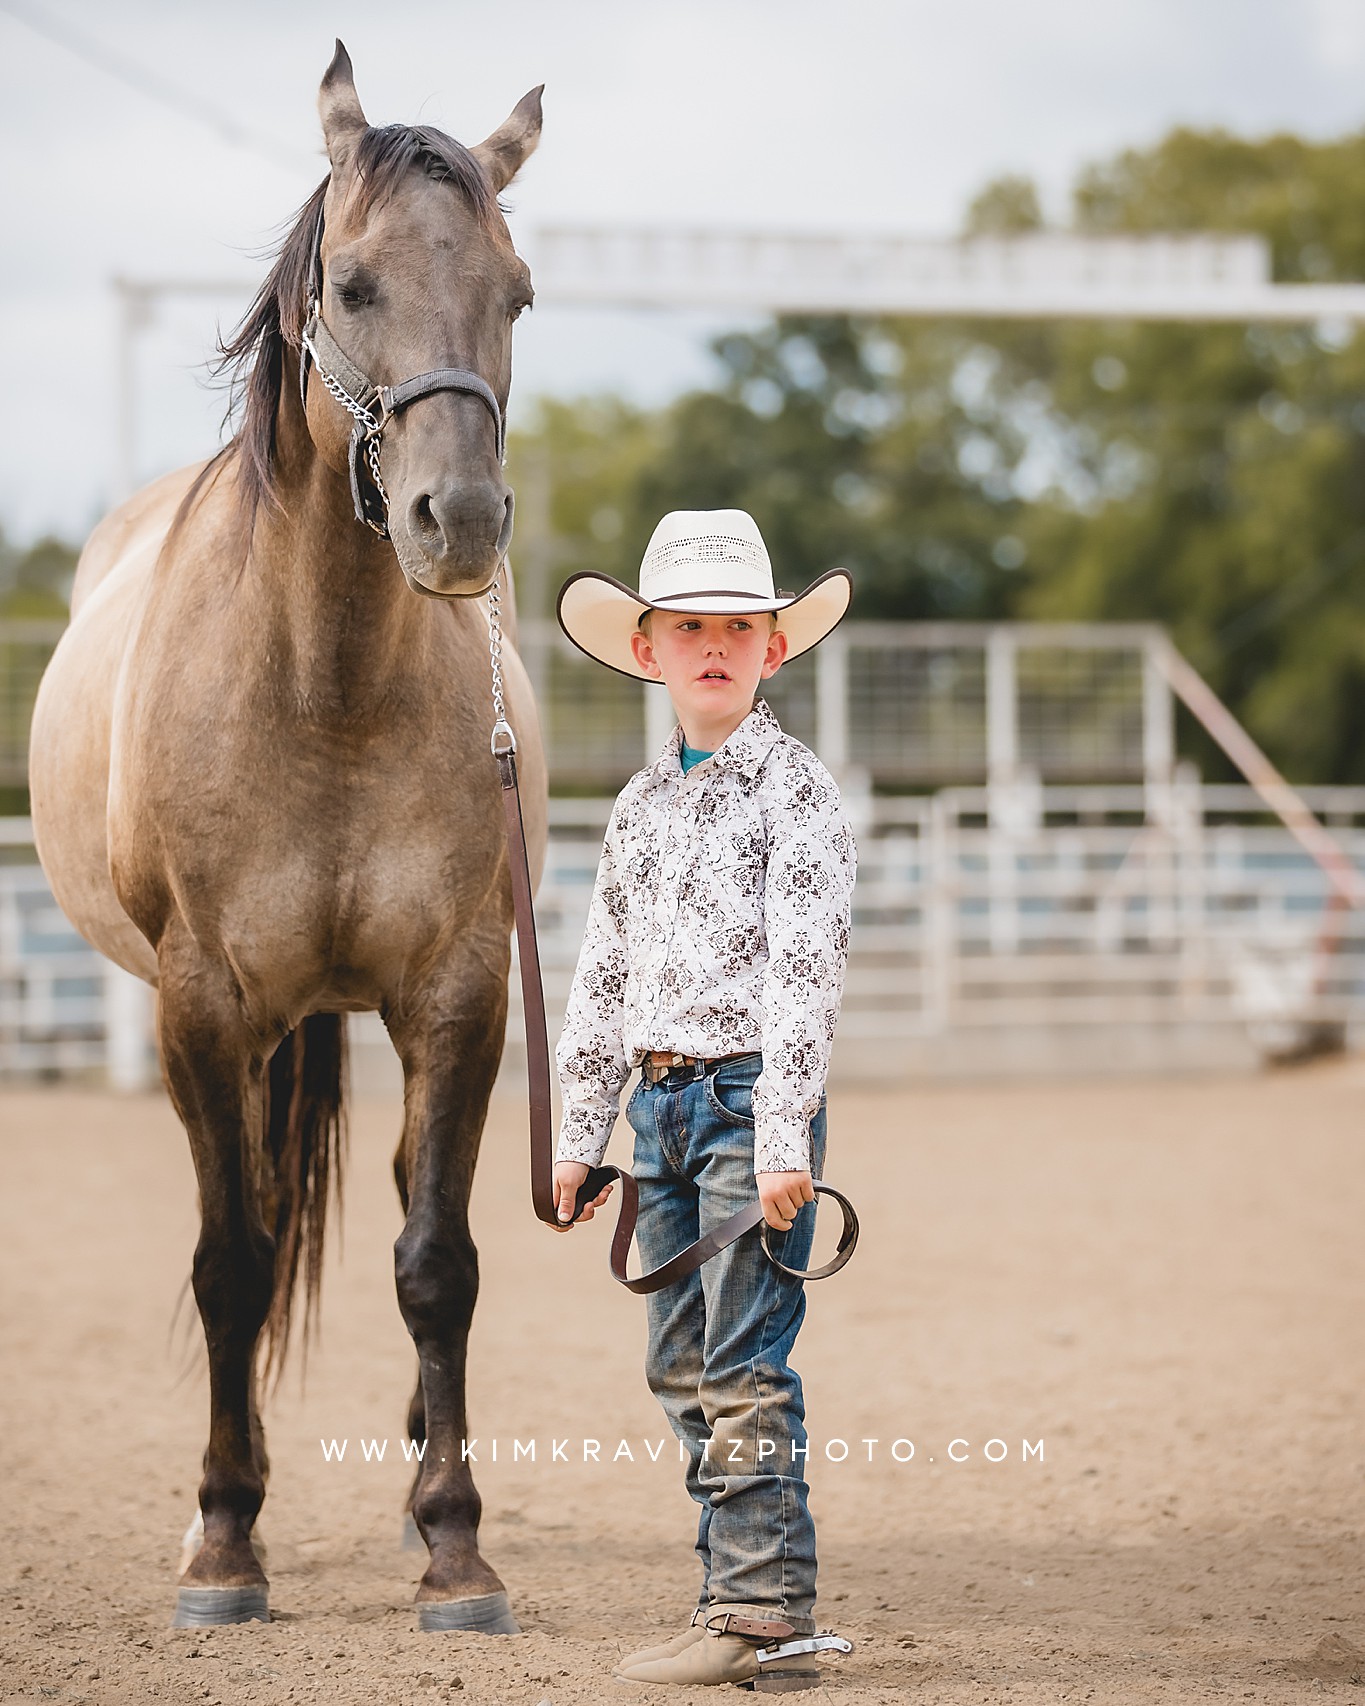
column 691, row 756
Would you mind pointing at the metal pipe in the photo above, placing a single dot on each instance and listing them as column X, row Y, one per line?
column 1318, row 842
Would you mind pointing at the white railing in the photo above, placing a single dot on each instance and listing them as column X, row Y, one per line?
column 53, row 986
column 1061, row 907
column 1030, row 275
column 979, row 912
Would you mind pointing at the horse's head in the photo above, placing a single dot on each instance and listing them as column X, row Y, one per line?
column 418, row 275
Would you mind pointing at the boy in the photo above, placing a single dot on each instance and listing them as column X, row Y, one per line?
column 714, row 960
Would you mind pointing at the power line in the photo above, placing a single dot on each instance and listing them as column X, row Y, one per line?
column 159, row 89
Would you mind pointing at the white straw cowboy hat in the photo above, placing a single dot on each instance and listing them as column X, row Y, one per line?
column 706, row 561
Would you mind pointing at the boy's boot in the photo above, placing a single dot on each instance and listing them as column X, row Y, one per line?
column 728, row 1652
column 666, row 1649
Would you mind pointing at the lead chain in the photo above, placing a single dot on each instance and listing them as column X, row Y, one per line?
column 372, row 443
column 372, row 427
column 501, row 728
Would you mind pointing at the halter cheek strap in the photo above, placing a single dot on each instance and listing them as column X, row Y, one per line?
column 372, row 407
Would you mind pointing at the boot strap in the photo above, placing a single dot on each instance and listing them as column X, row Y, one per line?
column 762, row 1629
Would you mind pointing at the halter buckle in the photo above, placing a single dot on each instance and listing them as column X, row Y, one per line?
column 504, row 741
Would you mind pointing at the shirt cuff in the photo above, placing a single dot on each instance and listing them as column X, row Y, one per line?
column 782, row 1145
column 584, row 1135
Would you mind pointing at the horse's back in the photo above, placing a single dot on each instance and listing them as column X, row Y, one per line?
column 127, row 531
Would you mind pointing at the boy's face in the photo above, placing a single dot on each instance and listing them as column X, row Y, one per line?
column 711, row 665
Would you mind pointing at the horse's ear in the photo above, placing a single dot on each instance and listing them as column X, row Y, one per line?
column 343, row 121
column 506, row 151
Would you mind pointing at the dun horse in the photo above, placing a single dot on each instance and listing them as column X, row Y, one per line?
column 262, row 781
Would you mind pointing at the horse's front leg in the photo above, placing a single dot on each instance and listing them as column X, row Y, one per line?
column 450, row 1042
column 214, row 1071
column 417, row 1416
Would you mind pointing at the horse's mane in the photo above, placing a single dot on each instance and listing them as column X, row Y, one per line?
column 253, row 359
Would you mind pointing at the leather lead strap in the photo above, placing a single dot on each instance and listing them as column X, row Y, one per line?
column 542, row 1134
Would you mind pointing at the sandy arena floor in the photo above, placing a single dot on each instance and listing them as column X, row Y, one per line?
column 1164, row 1284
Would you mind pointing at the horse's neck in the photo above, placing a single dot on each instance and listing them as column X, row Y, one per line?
column 348, row 625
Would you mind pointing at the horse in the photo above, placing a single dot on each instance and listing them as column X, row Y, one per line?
column 262, row 781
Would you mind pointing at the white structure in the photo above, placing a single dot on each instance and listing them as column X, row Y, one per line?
column 1035, row 275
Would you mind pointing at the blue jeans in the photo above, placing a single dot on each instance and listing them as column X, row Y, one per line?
column 719, row 1338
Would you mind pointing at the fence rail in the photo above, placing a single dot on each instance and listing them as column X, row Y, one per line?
column 910, row 704
column 1059, row 910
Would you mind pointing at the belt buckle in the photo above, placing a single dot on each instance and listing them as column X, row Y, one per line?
column 656, row 1071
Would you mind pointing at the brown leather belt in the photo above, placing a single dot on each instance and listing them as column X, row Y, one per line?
column 658, row 1063
column 542, row 1136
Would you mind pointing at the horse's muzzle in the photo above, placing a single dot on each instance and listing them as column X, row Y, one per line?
column 451, row 547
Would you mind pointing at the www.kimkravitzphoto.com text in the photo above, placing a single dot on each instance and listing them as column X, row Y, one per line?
column 770, row 1452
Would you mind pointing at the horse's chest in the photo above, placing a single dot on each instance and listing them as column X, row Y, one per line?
column 339, row 909
column 315, row 858
column 362, row 895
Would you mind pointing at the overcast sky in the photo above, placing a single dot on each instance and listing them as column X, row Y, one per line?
column 860, row 115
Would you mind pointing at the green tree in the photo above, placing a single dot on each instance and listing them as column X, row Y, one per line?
column 1208, row 477
column 36, row 582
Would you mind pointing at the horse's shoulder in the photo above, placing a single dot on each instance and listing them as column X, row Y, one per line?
column 142, row 520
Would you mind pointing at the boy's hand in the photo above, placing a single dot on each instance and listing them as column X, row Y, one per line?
column 782, row 1195
column 569, row 1175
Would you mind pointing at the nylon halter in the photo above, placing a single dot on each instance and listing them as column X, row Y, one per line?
column 371, row 406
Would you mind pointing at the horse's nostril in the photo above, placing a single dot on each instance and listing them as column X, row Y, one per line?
column 505, row 531
column 425, row 525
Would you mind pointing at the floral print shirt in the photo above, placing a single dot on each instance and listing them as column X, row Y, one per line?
column 719, row 925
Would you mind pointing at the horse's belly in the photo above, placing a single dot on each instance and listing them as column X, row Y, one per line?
column 69, row 760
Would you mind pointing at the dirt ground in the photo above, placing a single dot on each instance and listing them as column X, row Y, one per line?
column 1158, row 1286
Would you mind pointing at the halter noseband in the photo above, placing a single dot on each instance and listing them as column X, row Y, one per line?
column 373, row 406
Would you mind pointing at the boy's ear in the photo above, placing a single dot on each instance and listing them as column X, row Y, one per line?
column 776, row 654
column 642, row 650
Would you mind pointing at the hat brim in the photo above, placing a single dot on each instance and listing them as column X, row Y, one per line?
column 599, row 614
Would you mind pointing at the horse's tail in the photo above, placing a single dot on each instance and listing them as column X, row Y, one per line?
column 305, row 1141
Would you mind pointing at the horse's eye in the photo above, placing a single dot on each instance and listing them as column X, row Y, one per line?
column 348, row 296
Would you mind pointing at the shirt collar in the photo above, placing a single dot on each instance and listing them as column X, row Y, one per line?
column 745, row 751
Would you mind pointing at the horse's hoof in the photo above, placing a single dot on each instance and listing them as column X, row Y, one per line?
column 199, row 1608
column 488, row 1614
column 412, row 1540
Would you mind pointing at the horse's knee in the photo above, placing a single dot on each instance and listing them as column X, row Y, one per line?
column 234, row 1279
column 438, row 1282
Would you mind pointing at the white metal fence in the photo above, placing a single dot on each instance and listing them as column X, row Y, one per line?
column 907, row 704
column 1007, row 927
column 910, row 704
column 53, row 987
